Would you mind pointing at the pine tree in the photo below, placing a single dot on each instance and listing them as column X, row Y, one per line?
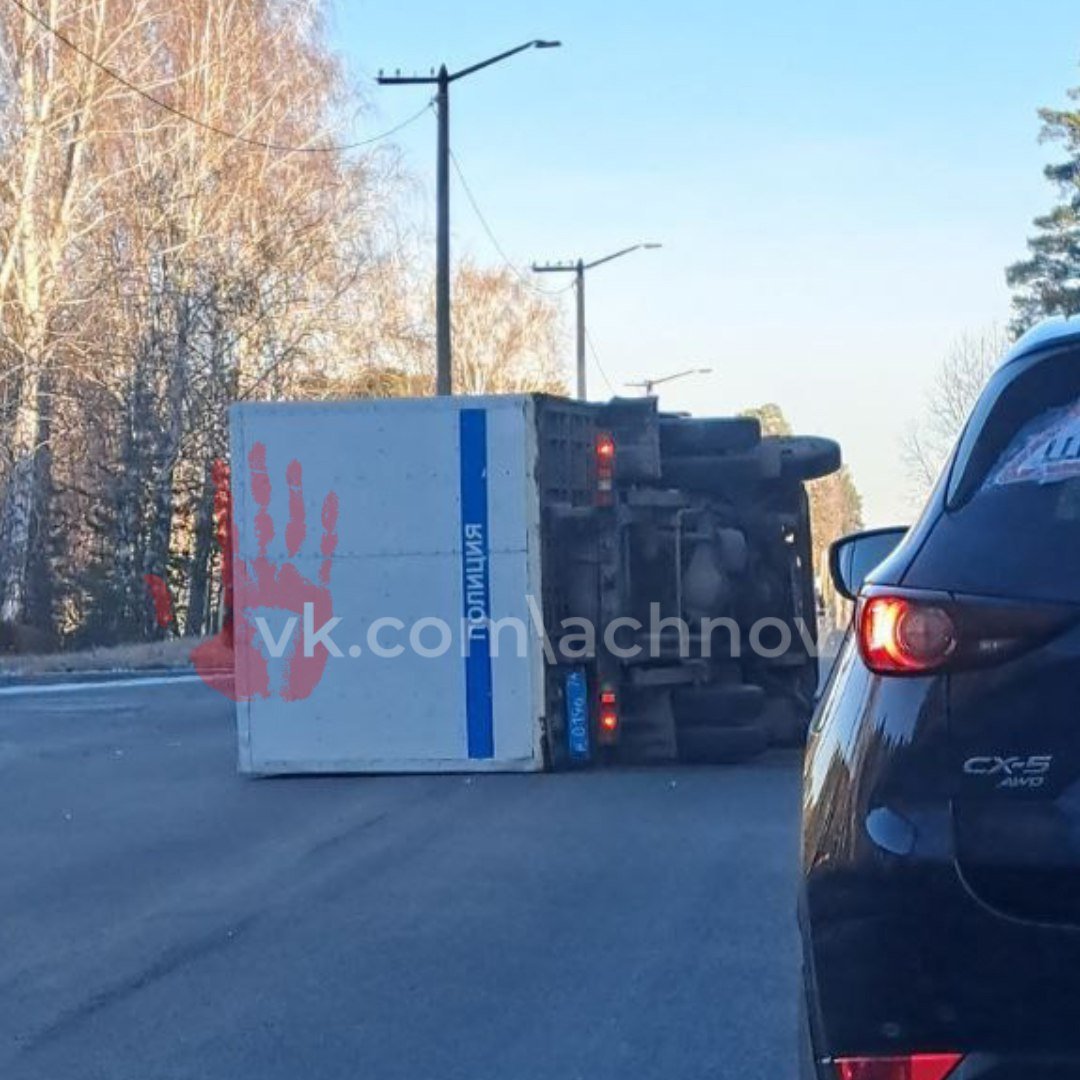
column 1048, row 282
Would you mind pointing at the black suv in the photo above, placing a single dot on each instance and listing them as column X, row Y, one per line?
column 940, row 892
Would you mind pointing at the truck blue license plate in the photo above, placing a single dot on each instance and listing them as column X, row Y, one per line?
column 577, row 714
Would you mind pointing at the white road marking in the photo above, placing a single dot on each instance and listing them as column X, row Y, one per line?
column 110, row 684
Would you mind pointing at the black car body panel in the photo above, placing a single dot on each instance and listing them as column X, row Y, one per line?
column 940, row 901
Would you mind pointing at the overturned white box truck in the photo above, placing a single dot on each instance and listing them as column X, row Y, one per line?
column 517, row 583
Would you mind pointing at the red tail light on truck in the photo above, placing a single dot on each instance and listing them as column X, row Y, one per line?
column 609, row 714
column 605, row 468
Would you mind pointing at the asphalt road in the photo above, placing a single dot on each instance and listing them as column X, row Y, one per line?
column 162, row 917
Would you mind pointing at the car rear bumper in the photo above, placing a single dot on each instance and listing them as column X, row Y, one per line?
column 994, row 1067
column 901, row 957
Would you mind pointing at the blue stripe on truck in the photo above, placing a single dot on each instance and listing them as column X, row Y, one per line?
column 476, row 582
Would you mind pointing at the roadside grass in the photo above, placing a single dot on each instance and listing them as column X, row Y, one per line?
column 173, row 653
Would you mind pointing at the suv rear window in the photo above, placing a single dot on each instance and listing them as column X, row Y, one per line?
column 1012, row 520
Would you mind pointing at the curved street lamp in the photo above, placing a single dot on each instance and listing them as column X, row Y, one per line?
column 442, row 80
column 578, row 268
column 648, row 385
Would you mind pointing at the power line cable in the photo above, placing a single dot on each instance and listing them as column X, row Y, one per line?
column 599, row 366
column 259, row 144
column 510, row 265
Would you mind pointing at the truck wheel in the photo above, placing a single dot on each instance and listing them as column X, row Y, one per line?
column 717, row 706
column 806, row 457
column 786, row 722
column 686, row 436
column 720, row 746
column 713, row 473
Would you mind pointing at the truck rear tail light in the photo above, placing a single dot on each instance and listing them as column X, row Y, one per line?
column 906, row 1067
column 609, row 714
column 898, row 635
column 605, row 468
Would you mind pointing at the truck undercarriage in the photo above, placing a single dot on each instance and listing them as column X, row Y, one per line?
column 686, row 545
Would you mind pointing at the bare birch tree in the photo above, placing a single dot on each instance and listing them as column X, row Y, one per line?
column 963, row 373
column 166, row 252
column 152, row 270
column 507, row 336
column 54, row 107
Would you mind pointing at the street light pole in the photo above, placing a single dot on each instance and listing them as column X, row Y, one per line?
column 578, row 269
column 442, row 80
column 443, row 346
column 580, row 285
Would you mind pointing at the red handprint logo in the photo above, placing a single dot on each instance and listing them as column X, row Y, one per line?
column 253, row 588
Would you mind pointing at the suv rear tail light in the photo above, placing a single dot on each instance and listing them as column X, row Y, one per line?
column 916, row 632
column 908, row 1067
column 898, row 635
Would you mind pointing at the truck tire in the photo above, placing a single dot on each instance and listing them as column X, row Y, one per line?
column 781, row 460
column 806, row 457
column 689, row 437
column 786, row 721
column 717, row 706
column 712, row 473
column 720, row 746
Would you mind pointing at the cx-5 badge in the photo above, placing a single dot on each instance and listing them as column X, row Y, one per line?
column 1011, row 772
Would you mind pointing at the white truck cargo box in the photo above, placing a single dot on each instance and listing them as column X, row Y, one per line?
column 437, row 532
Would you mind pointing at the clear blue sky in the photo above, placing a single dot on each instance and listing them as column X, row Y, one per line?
column 838, row 186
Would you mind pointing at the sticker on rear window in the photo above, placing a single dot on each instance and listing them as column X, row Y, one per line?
column 1044, row 451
